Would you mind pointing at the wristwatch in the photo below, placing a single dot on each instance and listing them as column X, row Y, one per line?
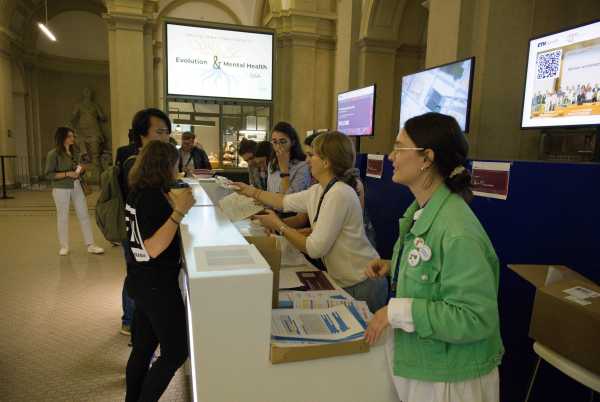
column 281, row 174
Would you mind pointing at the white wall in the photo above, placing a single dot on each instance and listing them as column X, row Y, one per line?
column 79, row 34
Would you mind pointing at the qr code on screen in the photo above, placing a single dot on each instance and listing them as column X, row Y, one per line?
column 548, row 64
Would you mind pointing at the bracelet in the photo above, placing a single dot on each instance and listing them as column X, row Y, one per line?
column 281, row 228
column 178, row 212
column 174, row 221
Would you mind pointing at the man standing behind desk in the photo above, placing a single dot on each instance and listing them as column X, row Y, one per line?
column 190, row 156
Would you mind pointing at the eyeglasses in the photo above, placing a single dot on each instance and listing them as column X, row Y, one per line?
column 408, row 148
column 279, row 142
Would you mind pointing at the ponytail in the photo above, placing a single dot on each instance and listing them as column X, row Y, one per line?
column 459, row 182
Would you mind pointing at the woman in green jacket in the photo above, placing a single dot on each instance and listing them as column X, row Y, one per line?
column 64, row 171
column 446, row 344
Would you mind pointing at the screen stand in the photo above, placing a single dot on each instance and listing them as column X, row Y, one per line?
column 357, row 144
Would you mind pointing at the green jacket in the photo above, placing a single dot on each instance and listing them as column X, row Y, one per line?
column 454, row 292
column 61, row 162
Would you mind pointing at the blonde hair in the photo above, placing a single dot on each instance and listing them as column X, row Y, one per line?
column 338, row 149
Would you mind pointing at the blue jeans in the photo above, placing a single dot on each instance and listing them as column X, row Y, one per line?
column 126, row 301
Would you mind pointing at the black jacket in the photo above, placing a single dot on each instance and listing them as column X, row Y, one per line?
column 198, row 157
column 125, row 152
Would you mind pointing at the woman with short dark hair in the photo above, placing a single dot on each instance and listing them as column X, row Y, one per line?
column 64, row 169
column 446, row 343
column 258, row 165
column 153, row 212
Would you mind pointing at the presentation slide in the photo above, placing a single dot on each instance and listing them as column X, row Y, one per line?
column 443, row 89
column 355, row 111
column 563, row 79
column 209, row 62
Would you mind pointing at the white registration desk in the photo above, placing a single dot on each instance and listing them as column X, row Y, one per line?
column 229, row 317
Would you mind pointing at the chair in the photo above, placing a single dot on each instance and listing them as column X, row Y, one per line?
column 571, row 369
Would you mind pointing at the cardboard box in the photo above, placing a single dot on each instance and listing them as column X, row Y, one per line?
column 267, row 245
column 294, row 353
column 564, row 319
column 280, row 353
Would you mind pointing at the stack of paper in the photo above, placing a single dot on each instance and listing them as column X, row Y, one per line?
column 336, row 324
column 322, row 299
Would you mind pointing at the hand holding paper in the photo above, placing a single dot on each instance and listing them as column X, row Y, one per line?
column 237, row 207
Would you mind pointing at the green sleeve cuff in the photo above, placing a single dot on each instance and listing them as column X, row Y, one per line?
column 421, row 318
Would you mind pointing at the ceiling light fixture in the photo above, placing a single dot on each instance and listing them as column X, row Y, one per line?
column 44, row 28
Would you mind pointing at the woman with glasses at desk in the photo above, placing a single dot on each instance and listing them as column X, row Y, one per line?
column 446, row 344
column 288, row 171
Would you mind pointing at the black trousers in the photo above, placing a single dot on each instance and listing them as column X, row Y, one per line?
column 159, row 318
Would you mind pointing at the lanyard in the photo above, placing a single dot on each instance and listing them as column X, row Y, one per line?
column 327, row 188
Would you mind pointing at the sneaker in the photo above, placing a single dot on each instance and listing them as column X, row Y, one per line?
column 93, row 249
column 125, row 329
column 63, row 251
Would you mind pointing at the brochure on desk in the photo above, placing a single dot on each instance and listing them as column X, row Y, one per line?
column 335, row 324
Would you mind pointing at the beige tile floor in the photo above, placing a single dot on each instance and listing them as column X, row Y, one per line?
column 60, row 316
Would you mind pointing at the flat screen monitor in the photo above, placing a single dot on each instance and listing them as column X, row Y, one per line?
column 443, row 89
column 214, row 62
column 356, row 111
column 562, row 86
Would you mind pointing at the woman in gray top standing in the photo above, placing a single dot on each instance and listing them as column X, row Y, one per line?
column 64, row 171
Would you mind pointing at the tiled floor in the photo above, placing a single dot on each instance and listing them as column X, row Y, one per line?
column 59, row 338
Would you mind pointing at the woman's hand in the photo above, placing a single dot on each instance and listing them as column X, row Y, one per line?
column 245, row 189
column 377, row 325
column 182, row 199
column 270, row 220
column 283, row 158
column 72, row 175
column 305, row 231
column 377, row 268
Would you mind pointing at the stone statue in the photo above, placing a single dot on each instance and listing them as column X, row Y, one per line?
column 87, row 121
